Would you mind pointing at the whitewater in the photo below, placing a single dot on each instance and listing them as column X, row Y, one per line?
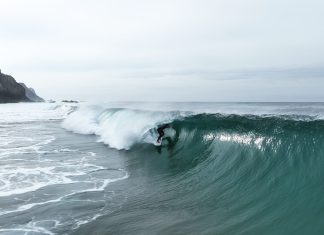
column 229, row 168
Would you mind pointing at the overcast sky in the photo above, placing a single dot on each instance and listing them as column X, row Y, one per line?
column 166, row 50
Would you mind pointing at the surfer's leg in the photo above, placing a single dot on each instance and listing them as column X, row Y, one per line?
column 161, row 134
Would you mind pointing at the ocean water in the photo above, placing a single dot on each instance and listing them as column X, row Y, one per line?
column 226, row 168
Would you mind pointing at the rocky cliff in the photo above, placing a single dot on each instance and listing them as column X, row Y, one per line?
column 12, row 92
column 31, row 94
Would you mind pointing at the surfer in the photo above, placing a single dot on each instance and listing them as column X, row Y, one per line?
column 160, row 130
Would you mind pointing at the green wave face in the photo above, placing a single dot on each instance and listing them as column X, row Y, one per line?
column 220, row 173
column 245, row 174
column 271, row 137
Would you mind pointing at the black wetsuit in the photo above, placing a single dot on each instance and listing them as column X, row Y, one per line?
column 161, row 132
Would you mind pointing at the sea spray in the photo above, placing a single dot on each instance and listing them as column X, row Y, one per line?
column 119, row 128
column 122, row 128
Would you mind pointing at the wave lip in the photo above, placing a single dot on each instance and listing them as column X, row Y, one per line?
column 119, row 128
column 122, row 128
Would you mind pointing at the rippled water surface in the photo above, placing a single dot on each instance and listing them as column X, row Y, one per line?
column 227, row 168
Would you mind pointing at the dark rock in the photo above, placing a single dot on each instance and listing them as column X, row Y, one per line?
column 10, row 90
column 31, row 94
column 13, row 92
column 69, row 101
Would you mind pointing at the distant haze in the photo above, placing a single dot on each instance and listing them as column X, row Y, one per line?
column 167, row 50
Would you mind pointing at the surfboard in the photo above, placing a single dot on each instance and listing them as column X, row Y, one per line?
column 162, row 143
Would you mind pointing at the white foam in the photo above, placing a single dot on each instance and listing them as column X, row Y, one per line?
column 28, row 179
column 28, row 112
column 35, row 172
column 26, row 145
column 31, row 227
column 118, row 128
column 104, row 184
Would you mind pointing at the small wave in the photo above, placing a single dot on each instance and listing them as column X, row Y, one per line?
column 33, row 112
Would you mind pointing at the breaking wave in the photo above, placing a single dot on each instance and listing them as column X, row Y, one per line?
column 124, row 128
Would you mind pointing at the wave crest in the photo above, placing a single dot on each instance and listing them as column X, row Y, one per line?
column 123, row 128
column 118, row 128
